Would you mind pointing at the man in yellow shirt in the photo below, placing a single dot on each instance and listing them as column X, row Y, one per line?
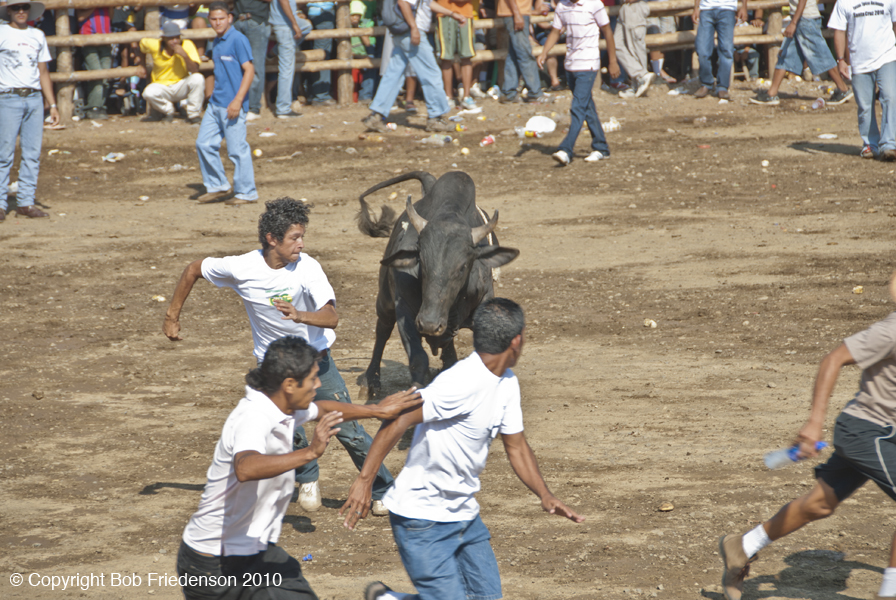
column 175, row 74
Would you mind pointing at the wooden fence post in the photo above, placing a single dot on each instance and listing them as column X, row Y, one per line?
column 345, row 85
column 775, row 24
column 64, row 64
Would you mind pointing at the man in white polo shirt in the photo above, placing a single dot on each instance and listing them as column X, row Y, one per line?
column 285, row 292
column 868, row 25
column 443, row 543
column 229, row 546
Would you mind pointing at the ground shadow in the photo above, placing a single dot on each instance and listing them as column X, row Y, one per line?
column 198, row 190
column 300, row 524
column 537, row 147
column 816, row 574
column 817, row 147
column 152, row 490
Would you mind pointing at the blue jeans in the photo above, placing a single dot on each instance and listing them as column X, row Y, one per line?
column 583, row 110
column 286, row 66
column 448, row 561
column 368, row 84
column 258, row 34
column 351, row 434
column 520, row 61
column 319, row 83
column 716, row 21
column 807, row 44
column 23, row 118
column 863, row 87
column 423, row 60
column 215, row 127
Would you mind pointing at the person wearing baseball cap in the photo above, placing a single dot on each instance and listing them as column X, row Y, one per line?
column 24, row 86
column 175, row 74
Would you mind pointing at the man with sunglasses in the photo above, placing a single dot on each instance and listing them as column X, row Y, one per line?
column 23, row 78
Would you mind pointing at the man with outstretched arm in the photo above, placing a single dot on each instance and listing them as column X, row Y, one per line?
column 443, row 543
column 229, row 548
column 285, row 292
column 864, row 449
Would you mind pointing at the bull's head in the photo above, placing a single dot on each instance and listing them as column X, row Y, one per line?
column 446, row 253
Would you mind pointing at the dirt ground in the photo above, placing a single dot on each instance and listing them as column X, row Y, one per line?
column 108, row 428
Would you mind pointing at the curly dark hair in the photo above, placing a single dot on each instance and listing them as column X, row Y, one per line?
column 279, row 216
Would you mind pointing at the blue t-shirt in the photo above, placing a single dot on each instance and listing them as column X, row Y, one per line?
column 229, row 52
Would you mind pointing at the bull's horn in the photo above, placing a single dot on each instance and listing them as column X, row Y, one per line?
column 481, row 232
column 416, row 220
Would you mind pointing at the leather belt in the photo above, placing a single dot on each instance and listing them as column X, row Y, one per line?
column 323, row 354
column 23, row 92
column 248, row 16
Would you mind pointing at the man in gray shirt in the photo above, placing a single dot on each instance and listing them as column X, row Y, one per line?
column 864, row 448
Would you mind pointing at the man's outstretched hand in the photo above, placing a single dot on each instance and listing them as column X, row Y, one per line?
column 358, row 504
column 551, row 504
column 395, row 404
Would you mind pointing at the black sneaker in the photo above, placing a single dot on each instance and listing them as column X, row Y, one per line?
column 374, row 122
column 764, row 98
column 439, row 124
column 839, row 97
column 510, row 99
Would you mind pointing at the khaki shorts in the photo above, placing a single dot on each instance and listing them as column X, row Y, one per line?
column 455, row 40
column 661, row 24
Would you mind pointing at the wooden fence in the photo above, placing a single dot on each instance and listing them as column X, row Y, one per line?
column 310, row 61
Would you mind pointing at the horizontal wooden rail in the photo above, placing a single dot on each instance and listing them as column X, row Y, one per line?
column 75, row 4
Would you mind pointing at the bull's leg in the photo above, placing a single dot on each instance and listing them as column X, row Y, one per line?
column 449, row 355
column 384, row 325
column 418, row 361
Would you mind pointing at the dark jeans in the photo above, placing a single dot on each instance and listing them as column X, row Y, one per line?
column 581, row 83
column 319, row 83
column 272, row 574
column 351, row 434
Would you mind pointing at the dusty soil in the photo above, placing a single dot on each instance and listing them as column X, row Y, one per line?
column 108, row 428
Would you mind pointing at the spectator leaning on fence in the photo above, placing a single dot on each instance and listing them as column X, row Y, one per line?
column 225, row 116
column 716, row 17
column 631, row 27
column 520, row 61
column 23, row 76
column 660, row 25
column 252, row 21
column 288, row 32
column 323, row 16
column 869, row 29
column 92, row 21
column 456, row 44
column 804, row 43
column 363, row 47
column 175, row 75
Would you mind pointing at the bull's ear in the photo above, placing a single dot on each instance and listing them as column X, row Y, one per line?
column 403, row 259
column 496, row 256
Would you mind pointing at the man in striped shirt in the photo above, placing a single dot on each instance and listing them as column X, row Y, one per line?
column 584, row 21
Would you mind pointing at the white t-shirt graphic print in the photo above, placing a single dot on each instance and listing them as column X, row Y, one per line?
column 303, row 283
column 869, row 31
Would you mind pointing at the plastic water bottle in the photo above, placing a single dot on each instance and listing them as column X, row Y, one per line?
column 787, row 456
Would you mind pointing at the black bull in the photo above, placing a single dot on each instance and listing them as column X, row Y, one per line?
column 436, row 270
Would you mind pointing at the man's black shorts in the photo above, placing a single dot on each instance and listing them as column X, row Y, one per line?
column 862, row 451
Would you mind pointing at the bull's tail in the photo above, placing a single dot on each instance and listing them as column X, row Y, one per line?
column 382, row 227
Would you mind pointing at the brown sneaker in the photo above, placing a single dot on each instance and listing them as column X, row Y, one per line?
column 239, row 201
column 2, row 215
column 723, row 95
column 737, row 565
column 32, row 212
column 888, row 155
column 213, row 197
column 374, row 122
column 703, row 92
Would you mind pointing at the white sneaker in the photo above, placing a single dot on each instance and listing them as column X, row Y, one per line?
column 309, row 494
column 595, row 156
column 251, row 116
column 477, row 92
column 629, row 93
column 561, row 157
column 643, row 84
column 378, row 509
column 468, row 103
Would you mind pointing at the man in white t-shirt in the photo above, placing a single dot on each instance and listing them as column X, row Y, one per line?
column 229, row 546
column 24, row 85
column 716, row 18
column 285, row 292
column 869, row 27
column 443, row 543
